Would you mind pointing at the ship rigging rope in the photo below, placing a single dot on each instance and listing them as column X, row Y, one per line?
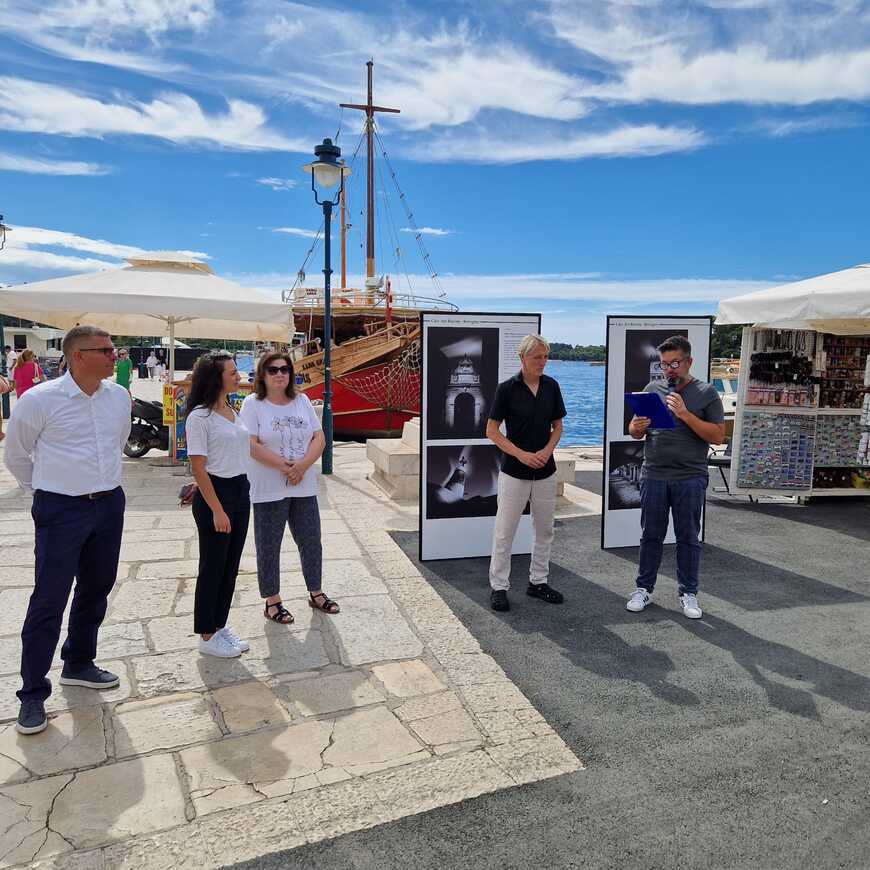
column 398, row 258
column 411, row 222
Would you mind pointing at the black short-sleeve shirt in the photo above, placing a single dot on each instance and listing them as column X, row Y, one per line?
column 528, row 419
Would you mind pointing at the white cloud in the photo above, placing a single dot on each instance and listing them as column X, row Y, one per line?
column 296, row 231
column 33, row 166
column 639, row 141
column 23, row 244
column 25, row 258
column 427, row 231
column 278, row 183
column 44, row 108
column 152, row 16
column 748, row 74
column 780, row 127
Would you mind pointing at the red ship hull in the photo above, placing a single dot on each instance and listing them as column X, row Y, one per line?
column 358, row 412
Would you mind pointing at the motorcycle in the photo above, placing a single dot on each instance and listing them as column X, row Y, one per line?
column 147, row 430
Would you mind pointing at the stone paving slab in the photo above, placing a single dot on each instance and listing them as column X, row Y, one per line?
column 330, row 725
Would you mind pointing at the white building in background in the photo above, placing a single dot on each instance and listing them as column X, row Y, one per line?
column 44, row 341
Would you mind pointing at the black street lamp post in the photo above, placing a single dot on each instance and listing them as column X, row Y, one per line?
column 327, row 171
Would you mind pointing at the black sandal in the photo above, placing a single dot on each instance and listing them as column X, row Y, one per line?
column 326, row 604
column 281, row 614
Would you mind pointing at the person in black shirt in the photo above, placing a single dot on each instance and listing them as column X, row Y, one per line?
column 530, row 404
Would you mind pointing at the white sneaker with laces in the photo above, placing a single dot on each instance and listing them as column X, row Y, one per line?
column 638, row 601
column 691, row 608
column 234, row 639
column 217, row 645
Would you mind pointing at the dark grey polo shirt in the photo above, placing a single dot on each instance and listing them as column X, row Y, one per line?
column 679, row 454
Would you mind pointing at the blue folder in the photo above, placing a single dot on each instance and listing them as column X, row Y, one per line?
column 651, row 405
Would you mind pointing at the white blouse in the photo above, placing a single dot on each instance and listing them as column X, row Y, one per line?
column 226, row 445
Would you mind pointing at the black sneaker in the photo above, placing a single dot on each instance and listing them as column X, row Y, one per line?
column 498, row 600
column 31, row 717
column 91, row 677
column 545, row 593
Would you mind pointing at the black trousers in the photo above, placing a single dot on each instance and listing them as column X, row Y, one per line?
column 76, row 539
column 219, row 553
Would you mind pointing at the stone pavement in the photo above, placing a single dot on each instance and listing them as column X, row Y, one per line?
column 332, row 725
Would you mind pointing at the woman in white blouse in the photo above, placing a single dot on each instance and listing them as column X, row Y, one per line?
column 286, row 441
column 218, row 446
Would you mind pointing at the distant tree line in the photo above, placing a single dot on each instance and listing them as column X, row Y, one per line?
column 586, row 352
column 726, row 342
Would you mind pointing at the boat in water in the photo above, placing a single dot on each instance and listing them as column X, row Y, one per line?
column 376, row 353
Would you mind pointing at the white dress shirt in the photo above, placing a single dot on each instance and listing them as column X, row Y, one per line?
column 61, row 440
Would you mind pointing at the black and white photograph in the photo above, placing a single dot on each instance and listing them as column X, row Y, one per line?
column 642, row 360
column 623, row 477
column 462, row 368
column 462, row 481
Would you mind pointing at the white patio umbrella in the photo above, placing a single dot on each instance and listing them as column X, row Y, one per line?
column 837, row 303
column 161, row 294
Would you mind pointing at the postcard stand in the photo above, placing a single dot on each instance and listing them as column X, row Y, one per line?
column 802, row 423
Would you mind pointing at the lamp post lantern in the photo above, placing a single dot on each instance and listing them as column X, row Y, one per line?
column 327, row 171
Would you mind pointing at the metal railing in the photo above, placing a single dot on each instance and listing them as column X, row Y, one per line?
column 312, row 297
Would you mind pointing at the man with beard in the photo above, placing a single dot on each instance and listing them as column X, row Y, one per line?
column 674, row 474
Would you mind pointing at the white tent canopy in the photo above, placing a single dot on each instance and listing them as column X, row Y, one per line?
column 838, row 303
column 152, row 297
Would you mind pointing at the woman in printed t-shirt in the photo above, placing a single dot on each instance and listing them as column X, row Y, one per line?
column 219, row 449
column 286, row 441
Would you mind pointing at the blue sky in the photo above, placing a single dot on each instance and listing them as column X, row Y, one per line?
column 575, row 157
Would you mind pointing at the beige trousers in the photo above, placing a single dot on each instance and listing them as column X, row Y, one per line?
column 513, row 495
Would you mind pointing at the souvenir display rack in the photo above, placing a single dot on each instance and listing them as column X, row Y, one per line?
column 802, row 425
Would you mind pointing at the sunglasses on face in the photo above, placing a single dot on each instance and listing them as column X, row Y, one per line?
column 106, row 351
column 278, row 370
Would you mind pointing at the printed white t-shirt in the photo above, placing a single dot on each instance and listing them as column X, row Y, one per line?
column 286, row 430
column 226, row 446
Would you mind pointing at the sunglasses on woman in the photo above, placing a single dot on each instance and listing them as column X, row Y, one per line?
column 278, row 370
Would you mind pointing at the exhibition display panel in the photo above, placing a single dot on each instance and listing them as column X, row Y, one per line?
column 465, row 357
column 802, row 425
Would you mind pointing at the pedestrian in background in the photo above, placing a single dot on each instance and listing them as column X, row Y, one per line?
column 530, row 404
column 11, row 356
column 26, row 372
column 286, row 441
column 123, row 369
column 151, row 365
column 64, row 444
column 5, row 387
column 674, row 476
column 219, row 450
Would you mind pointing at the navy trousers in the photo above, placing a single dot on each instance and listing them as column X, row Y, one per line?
column 684, row 499
column 76, row 539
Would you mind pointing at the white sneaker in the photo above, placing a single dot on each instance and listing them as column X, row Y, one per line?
column 691, row 608
column 234, row 639
column 218, row 645
column 638, row 601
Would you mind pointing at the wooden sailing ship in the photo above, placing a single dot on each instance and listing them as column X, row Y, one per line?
column 376, row 359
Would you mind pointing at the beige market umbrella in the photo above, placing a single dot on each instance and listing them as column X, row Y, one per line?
column 838, row 303
column 166, row 294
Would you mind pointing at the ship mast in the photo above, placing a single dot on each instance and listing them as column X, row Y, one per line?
column 370, row 109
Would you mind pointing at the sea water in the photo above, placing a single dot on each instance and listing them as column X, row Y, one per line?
column 583, row 392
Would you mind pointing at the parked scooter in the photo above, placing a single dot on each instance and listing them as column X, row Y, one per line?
column 147, row 431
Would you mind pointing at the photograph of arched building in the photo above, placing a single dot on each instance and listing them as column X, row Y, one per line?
column 462, row 377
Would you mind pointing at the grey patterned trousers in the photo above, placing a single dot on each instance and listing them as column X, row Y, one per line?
column 302, row 515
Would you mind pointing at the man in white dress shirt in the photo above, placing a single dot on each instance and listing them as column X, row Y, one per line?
column 64, row 444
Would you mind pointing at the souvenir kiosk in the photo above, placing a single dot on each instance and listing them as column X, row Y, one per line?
column 802, row 425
